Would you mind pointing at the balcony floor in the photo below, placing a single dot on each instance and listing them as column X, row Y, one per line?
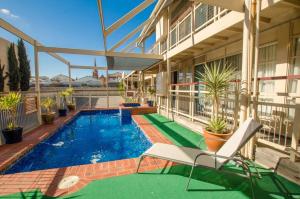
column 169, row 181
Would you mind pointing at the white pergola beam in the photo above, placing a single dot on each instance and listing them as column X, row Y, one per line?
column 134, row 55
column 88, row 67
column 71, row 51
column 129, row 35
column 128, row 16
column 15, row 31
column 97, row 52
column 236, row 5
column 130, row 45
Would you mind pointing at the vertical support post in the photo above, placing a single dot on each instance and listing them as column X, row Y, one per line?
column 168, row 61
column 70, row 77
column 255, row 68
column 107, row 94
column 245, row 63
column 168, row 86
column 295, row 134
column 37, row 82
column 245, row 58
column 143, row 84
column 177, row 99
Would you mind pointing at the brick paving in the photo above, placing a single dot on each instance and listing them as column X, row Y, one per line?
column 47, row 180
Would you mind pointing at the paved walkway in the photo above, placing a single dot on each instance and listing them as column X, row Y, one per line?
column 47, row 180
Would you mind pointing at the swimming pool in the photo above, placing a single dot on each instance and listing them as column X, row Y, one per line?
column 91, row 137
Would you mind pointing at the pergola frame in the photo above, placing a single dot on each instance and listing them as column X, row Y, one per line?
column 52, row 51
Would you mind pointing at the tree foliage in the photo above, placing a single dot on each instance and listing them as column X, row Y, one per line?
column 2, row 77
column 13, row 69
column 24, row 66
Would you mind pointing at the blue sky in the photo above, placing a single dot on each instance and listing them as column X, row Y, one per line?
column 70, row 24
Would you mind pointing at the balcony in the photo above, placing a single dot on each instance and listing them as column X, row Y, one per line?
column 197, row 19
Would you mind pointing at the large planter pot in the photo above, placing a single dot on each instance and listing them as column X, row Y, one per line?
column 214, row 141
column 150, row 103
column 71, row 107
column 13, row 135
column 62, row 112
column 48, row 118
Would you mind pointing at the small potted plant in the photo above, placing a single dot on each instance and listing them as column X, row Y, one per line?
column 216, row 78
column 62, row 111
column 152, row 93
column 49, row 116
column 70, row 103
column 9, row 104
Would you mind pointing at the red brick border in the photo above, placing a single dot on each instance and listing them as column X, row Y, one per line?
column 48, row 180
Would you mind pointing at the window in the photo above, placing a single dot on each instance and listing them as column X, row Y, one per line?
column 235, row 61
column 267, row 67
column 295, row 66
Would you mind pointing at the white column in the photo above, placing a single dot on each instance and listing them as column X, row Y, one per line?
column 245, row 64
column 168, row 86
column 107, row 94
column 37, row 82
column 70, row 77
column 245, row 59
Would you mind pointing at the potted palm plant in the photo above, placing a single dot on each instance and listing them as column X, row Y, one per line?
column 9, row 104
column 152, row 93
column 49, row 116
column 62, row 111
column 70, row 103
column 217, row 79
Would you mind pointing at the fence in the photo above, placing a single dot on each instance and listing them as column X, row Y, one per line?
column 83, row 99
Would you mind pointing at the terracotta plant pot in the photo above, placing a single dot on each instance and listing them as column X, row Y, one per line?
column 48, row 118
column 71, row 107
column 13, row 135
column 214, row 141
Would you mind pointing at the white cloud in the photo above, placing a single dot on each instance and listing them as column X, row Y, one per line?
column 8, row 13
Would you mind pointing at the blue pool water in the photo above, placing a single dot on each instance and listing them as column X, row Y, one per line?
column 91, row 137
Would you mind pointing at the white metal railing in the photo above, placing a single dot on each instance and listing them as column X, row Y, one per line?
column 280, row 120
column 200, row 17
column 206, row 15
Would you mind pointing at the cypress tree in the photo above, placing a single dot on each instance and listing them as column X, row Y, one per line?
column 2, row 77
column 13, row 69
column 24, row 66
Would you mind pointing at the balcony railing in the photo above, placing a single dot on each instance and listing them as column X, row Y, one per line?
column 280, row 120
column 200, row 17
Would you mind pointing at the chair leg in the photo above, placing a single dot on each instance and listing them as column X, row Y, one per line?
column 256, row 170
column 251, row 181
column 191, row 173
column 139, row 164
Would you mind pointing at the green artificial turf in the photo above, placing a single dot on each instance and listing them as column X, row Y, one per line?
column 176, row 133
column 170, row 183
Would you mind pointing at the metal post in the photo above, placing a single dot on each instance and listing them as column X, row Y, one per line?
column 107, row 94
column 245, row 60
column 295, row 134
column 37, row 82
column 168, row 86
column 255, row 82
column 69, row 70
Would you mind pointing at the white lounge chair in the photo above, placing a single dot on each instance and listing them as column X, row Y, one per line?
column 196, row 157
